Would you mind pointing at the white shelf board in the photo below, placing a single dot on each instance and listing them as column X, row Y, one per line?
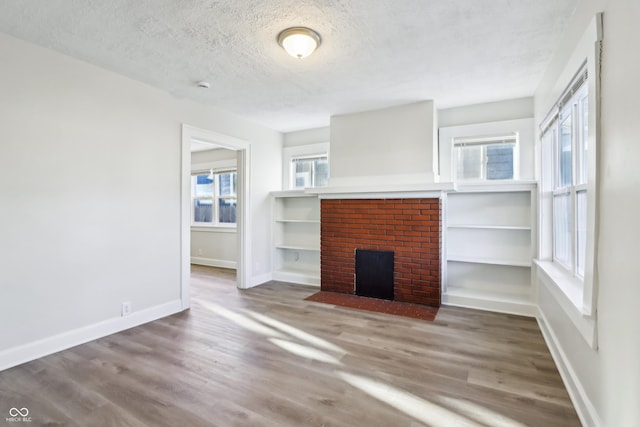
column 303, row 276
column 480, row 260
column 299, row 221
column 297, row 247
column 491, row 227
column 496, row 187
column 520, row 304
column 291, row 193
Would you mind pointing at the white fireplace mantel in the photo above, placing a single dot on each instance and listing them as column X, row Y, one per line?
column 403, row 191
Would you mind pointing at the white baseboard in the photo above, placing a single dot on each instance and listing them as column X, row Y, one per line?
column 584, row 407
column 210, row 262
column 30, row 351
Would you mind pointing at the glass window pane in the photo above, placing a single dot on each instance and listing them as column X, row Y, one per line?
column 227, row 211
column 227, row 184
column 202, row 185
column 562, row 229
column 203, row 210
column 581, row 231
column 321, row 175
column 302, row 169
column 584, row 141
column 564, row 160
column 500, row 161
column 202, row 193
column 469, row 160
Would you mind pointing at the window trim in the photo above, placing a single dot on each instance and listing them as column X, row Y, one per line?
column 301, row 151
column 220, row 166
column 583, row 313
column 485, row 141
column 526, row 147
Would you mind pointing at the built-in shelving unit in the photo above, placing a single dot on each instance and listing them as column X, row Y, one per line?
column 489, row 245
column 296, row 237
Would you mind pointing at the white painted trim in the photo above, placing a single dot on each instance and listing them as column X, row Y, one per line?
column 297, row 278
column 211, row 262
column 433, row 190
column 584, row 324
column 243, row 151
column 490, row 304
column 185, row 219
column 523, row 127
column 584, row 407
column 217, row 165
column 200, row 228
column 260, row 279
column 34, row 350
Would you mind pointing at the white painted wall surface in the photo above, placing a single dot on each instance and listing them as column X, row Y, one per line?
column 511, row 109
column 390, row 146
column 213, row 246
column 90, row 193
column 306, row 137
column 607, row 378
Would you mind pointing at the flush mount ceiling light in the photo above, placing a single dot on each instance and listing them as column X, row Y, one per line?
column 299, row 42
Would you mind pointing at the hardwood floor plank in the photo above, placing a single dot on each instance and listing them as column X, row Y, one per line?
column 266, row 357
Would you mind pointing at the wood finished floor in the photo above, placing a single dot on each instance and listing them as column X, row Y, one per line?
column 267, row 357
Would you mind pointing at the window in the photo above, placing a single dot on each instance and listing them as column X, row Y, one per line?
column 214, row 198
column 485, row 158
column 310, row 171
column 305, row 166
column 566, row 136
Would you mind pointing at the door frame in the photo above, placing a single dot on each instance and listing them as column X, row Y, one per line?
column 243, row 218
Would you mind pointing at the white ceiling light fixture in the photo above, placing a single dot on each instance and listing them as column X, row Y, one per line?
column 299, row 42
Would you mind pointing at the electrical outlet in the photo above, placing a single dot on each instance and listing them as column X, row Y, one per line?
column 126, row 308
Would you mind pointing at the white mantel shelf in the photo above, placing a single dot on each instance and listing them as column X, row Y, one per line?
column 414, row 191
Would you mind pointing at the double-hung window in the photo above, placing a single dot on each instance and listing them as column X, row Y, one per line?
column 214, row 198
column 566, row 134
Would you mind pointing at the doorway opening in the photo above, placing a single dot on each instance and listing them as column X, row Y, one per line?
column 195, row 136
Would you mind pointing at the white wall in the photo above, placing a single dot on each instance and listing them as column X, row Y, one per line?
column 607, row 379
column 511, row 109
column 88, row 218
column 213, row 246
column 306, row 137
column 395, row 145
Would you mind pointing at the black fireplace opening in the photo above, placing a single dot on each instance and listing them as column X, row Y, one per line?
column 374, row 273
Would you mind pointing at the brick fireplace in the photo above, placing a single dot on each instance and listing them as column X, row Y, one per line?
column 410, row 227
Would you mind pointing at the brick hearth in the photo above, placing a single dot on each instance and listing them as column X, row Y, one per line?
column 411, row 228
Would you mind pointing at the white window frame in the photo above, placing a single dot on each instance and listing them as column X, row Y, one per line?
column 218, row 167
column 576, row 297
column 572, row 108
column 523, row 164
column 484, row 141
column 300, row 152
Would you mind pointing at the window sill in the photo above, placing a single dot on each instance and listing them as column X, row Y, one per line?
column 568, row 293
column 214, row 228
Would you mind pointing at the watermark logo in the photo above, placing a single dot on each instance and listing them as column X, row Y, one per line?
column 18, row 415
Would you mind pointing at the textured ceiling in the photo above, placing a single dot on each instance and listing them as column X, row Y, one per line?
column 374, row 53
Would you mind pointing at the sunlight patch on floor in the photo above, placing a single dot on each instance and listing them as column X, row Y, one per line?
column 479, row 413
column 305, row 351
column 422, row 410
column 240, row 319
column 296, row 333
